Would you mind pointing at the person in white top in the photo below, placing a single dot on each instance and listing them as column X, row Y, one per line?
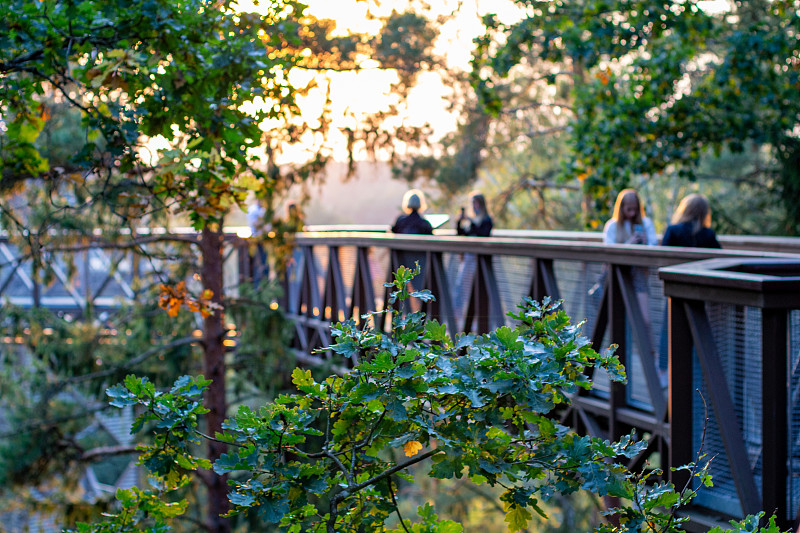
column 629, row 225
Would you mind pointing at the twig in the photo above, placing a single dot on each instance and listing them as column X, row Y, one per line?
column 389, row 472
column 214, row 439
column 687, row 486
column 396, row 507
column 341, row 467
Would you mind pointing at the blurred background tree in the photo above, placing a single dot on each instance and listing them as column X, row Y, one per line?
column 663, row 89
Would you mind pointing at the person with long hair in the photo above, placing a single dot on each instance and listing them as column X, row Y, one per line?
column 691, row 227
column 628, row 224
column 480, row 224
column 691, row 224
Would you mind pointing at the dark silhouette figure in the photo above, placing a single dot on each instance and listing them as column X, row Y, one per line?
column 691, row 225
column 412, row 222
column 480, row 224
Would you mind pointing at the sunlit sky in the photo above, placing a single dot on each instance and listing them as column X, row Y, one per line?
column 357, row 94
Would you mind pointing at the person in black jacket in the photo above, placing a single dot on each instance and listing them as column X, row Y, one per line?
column 691, row 225
column 412, row 222
column 480, row 225
column 691, row 228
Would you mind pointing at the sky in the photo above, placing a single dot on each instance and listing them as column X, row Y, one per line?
column 356, row 94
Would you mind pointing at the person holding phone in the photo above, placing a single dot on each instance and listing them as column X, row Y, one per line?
column 628, row 224
column 480, row 224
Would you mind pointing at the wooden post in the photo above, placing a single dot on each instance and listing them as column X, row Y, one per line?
column 616, row 320
column 774, row 421
column 681, row 394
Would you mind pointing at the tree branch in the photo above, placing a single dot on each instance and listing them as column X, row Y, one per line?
column 396, row 507
column 107, row 451
column 17, row 64
column 389, row 472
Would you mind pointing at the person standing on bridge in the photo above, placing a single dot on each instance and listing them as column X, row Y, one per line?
column 691, row 225
column 480, row 224
column 629, row 225
column 412, row 222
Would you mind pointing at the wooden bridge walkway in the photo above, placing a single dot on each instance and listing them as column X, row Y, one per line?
column 724, row 322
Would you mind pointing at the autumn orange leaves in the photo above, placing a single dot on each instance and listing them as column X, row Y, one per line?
column 173, row 298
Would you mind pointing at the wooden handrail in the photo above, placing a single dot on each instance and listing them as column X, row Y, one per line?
column 634, row 255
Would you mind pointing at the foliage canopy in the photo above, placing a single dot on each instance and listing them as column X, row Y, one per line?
column 656, row 85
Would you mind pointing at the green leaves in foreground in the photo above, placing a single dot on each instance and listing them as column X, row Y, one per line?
column 329, row 457
column 138, row 511
column 172, row 418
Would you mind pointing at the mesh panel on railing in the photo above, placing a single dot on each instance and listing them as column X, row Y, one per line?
column 379, row 263
column 655, row 314
column 575, row 279
column 347, row 268
column 98, row 276
column 293, row 278
column 580, row 286
column 513, row 276
column 460, row 270
column 17, row 279
column 736, row 331
column 793, row 406
column 321, row 266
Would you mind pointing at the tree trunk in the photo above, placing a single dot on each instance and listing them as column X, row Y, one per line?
column 214, row 369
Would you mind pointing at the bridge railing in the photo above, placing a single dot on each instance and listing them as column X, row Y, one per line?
column 340, row 275
column 91, row 272
column 337, row 275
column 735, row 359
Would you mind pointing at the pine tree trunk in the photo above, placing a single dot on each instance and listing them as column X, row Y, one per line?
column 214, row 369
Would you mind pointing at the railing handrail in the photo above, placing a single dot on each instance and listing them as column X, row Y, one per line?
column 765, row 243
column 771, row 243
column 634, row 255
